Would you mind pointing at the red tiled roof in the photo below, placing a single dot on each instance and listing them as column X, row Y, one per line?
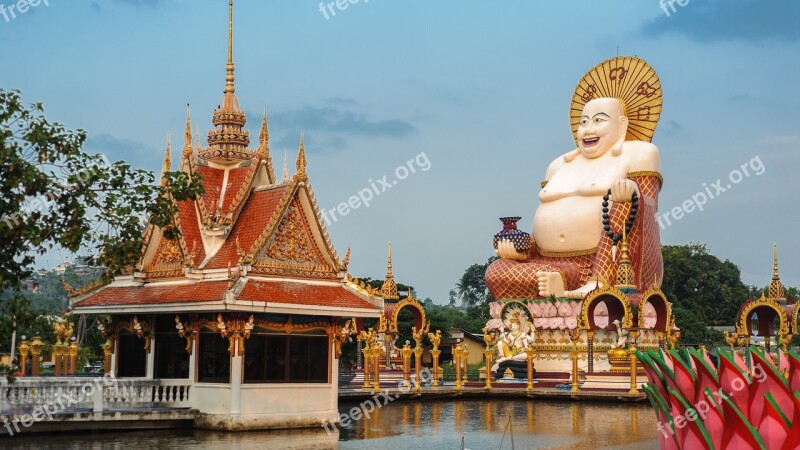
column 212, row 182
column 302, row 294
column 140, row 295
column 251, row 223
column 190, row 228
column 236, row 178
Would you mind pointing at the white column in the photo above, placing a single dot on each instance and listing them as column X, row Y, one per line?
column 114, row 356
column 334, row 379
column 151, row 358
column 236, row 379
column 193, row 361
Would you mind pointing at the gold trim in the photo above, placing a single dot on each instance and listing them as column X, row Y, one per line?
column 590, row 251
column 629, row 79
column 647, row 173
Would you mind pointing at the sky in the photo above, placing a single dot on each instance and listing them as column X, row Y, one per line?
column 474, row 93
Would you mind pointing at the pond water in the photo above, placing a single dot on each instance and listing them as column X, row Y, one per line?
column 483, row 424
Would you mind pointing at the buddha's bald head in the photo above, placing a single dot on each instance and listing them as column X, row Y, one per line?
column 603, row 124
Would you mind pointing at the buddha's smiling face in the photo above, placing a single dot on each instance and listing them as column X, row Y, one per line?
column 602, row 125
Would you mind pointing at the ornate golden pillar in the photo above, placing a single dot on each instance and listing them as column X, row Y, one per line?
column 57, row 358
column 23, row 352
column 575, row 387
column 457, row 352
column 632, row 356
column 487, row 356
column 418, row 367
column 590, row 351
column 529, row 352
column 367, row 356
column 36, row 353
column 465, row 360
column 73, row 357
column 376, row 363
column 405, row 352
column 108, row 350
column 575, row 335
column 435, row 352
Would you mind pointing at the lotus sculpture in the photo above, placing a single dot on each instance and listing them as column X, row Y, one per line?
column 728, row 405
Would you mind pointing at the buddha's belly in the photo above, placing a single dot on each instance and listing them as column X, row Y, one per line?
column 568, row 224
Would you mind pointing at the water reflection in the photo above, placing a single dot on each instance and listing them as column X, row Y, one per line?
column 431, row 425
column 535, row 424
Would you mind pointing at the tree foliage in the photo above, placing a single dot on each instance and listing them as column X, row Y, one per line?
column 53, row 194
column 699, row 282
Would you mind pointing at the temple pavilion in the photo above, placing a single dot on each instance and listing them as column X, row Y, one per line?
column 773, row 315
column 246, row 305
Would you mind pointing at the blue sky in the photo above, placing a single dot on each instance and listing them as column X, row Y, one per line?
column 481, row 87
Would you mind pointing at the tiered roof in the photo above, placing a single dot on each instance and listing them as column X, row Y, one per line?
column 248, row 240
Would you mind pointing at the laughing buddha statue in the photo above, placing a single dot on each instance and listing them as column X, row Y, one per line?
column 609, row 182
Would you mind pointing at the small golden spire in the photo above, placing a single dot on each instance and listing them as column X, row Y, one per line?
column 263, row 139
column 167, row 157
column 346, row 260
column 230, row 88
column 389, row 287
column 625, row 278
column 301, row 157
column 776, row 289
column 187, row 134
column 285, row 165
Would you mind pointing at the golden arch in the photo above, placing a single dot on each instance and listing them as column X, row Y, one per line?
column 661, row 323
column 741, row 325
column 420, row 318
column 602, row 294
column 795, row 324
column 523, row 305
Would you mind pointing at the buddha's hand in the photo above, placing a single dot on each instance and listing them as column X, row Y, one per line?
column 622, row 191
column 506, row 250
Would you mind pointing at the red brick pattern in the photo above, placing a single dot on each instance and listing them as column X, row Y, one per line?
column 212, row 182
column 236, row 178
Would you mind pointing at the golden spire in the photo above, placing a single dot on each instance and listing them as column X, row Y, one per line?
column 230, row 88
column 776, row 290
column 389, row 287
column 301, row 157
column 229, row 140
column 187, row 134
column 167, row 161
column 625, row 279
column 263, row 136
column 285, row 165
column 263, row 139
column 168, row 155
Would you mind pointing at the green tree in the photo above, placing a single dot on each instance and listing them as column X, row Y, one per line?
column 471, row 288
column 698, row 282
column 53, row 194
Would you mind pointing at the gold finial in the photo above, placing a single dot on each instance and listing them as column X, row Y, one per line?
column 264, row 135
column 346, row 260
column 229, row 78
column 187, row 134
column 167, row 157
column 301, row 157
column 285, row 165
column 263, row 139
column 389, row 287
column 776, row 289
column 625, row 279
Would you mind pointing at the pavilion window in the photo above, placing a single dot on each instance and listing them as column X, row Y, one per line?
column 171, row 359
column 132, row 358
column 286, row 359
column 215, row 361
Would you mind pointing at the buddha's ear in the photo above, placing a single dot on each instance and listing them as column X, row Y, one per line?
column 623, row 127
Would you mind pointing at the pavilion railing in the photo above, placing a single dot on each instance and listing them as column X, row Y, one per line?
column 64, row 395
